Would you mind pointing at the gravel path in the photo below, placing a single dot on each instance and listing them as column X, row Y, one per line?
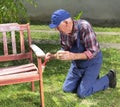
column 103, row 45
column 53, row 31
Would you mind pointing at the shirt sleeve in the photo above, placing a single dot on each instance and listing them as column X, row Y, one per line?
column 89, row 40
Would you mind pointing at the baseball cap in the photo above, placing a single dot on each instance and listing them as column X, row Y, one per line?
column 57, row 17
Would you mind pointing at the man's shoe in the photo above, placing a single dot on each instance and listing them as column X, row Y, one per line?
column 112, row 79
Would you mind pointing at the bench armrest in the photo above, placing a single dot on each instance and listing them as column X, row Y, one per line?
column 38, row 52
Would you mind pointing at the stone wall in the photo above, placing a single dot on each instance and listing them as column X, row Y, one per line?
column 98, row 12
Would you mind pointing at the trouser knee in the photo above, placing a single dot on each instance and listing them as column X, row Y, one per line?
column 68, row 89
column 83, row 94
column 64, row 89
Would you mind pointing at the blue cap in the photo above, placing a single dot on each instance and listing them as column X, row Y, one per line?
column 58, row 16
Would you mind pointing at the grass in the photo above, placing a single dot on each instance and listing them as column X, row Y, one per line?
column 108, row 38
column 39, row 27
column 45, row 36
column 20, row 95
column 97, row 29
column 107, row 29
column 54, row 75
column 54, row 35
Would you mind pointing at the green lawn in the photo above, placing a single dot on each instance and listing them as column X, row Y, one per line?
column 20, row 95
column 54, row 35
column 97, row 29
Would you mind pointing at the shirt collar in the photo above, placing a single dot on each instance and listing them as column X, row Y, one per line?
column 75, row 27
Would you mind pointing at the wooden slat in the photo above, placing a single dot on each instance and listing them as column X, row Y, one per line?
column 13, row 42
column 18, row 69
column 19, row 78
column 15, row 57
column 22, row 45
column 8, row 27
column 15, row 67
column 5, row 43
column 28, row 32
column 23, row 26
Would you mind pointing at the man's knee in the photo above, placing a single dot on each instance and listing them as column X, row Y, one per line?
column 84, row 93
column 68, row 89
column 81, row 95
column 65, row 89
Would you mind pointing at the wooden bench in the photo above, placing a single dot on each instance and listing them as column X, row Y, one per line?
column 15, row 46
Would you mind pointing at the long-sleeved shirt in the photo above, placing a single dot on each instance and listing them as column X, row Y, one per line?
column 87, row 38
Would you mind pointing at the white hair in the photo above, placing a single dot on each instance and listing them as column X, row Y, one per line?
column 67, row 20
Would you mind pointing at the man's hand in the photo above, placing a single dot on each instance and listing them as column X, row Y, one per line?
column 49, row 56
column 65, row 55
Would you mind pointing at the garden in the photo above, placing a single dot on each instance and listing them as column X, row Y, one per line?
column 20, row 95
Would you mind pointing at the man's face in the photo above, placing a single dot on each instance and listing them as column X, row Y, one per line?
column 64, row 27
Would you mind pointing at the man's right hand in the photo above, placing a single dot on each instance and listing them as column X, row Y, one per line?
column 49, row 56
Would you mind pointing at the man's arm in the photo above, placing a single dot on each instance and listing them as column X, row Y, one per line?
column 66, row 55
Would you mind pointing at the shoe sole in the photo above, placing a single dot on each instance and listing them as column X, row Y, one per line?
column 114, row 75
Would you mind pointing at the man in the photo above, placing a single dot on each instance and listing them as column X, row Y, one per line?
column 79, row 44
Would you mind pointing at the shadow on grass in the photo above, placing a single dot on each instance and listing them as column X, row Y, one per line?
column 57, row 98
column 107, row 98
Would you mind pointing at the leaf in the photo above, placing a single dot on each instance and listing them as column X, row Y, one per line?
column 78, row 16
column 14, row 11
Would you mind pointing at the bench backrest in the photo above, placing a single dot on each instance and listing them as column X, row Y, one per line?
column 15, row 42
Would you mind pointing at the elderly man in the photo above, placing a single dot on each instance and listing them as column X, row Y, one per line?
column 79, row 44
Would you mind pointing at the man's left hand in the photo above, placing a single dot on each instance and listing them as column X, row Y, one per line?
column 65, row 55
